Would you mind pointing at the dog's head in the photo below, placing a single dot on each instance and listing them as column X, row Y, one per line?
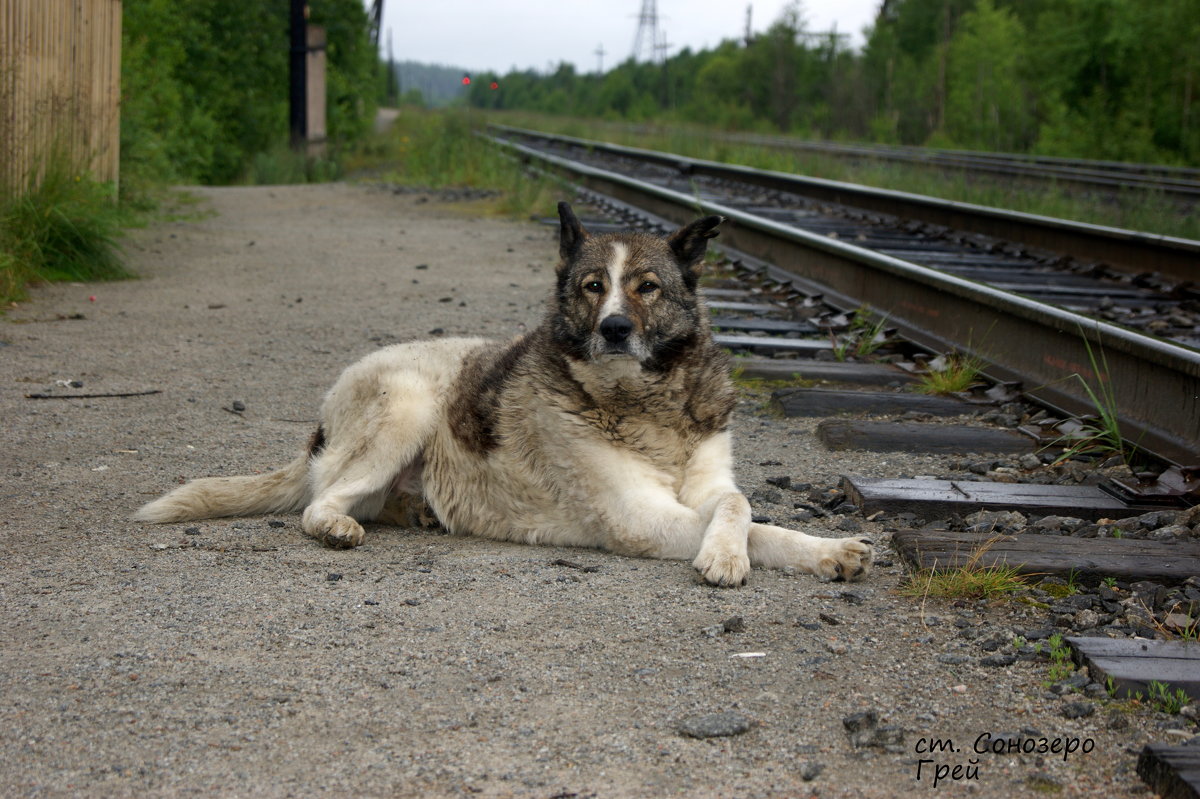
column 629, row 295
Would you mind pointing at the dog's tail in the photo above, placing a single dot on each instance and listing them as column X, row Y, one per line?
column 283, row 490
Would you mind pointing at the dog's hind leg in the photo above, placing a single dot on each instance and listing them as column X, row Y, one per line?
column 352, row 478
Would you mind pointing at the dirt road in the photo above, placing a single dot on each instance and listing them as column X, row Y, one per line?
column 240, row 658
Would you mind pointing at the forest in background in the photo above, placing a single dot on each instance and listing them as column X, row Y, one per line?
column 1107, row 79
column 204, row 84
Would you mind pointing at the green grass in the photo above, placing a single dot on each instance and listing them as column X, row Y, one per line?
column 282, row 165
column 1061, row 665
column 969, row 582
column 863, row 337
column 1100, row 434
column 64, row 227
column 1135, row 210
column 441, row 149
column 955, row 373
column 1158, row 696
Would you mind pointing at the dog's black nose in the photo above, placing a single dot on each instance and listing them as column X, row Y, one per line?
column 616, row 328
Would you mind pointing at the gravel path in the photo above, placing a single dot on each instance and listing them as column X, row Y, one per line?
column 240, row 658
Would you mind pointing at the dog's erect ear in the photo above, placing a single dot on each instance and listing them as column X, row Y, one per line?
column 571, row 234
column 691, row 242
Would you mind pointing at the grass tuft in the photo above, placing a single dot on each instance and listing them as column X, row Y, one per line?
column 950, row 374
column 969, row 582
column 63, row 227
column 1099, row 435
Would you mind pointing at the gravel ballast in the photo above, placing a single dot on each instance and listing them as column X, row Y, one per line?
column 238, row 657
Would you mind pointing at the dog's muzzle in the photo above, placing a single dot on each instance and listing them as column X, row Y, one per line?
column 616, row 330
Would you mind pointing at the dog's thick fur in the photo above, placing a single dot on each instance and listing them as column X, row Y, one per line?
column 607, row 426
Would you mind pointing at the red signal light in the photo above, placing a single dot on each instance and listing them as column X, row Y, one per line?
column 466, row 81
column 494, row 86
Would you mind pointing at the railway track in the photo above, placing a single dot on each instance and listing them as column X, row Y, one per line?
column 1180, row 184
column 1038, row 315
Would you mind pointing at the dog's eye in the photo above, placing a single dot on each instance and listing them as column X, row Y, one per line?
column 647, row 287
column 594, row 286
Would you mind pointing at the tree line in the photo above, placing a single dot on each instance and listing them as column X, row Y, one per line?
column 204, row 83
column 1109, row 79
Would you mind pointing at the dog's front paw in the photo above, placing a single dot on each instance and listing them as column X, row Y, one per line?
column 721, row 567
column 846, row 559
column 338, row 532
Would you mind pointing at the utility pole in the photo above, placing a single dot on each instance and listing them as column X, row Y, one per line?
column 600, row 59
column 298, row 74
column 749, row 32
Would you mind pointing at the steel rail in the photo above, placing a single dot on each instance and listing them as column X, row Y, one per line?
column 1050, row 351
column 1129, row 250
column 1181, row 181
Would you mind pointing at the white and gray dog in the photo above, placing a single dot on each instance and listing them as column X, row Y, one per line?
column 607, row 426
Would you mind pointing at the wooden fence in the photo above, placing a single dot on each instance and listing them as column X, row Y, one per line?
column 60, row 87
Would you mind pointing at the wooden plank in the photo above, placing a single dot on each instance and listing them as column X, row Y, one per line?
column 1086, row 559
column 916, row 437
column 807, row 402
column 764, row 325
column 863, row 374
column 1173, row 772
column 804, row 347
column 1133, row 664
column 938, row 499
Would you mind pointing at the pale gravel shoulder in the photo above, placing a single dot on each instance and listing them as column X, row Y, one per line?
column 239, row 658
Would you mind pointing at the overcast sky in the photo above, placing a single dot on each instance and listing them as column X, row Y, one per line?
column 499, row 35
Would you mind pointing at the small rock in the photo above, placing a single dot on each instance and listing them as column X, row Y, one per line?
column 1029, row 461
column 715, row 725
column 953, row 660
column 849, row 525
column 861, row 727
column 771, row 496
column 811, row 770
column 782, row 481
column 998, row 661
column 192, row 531
column 333, row 577
column 1058, row 524
column 1171, row 532
column 1086, row 620
column 1154, row 519
column 1078, row 710
column 829, row 619
column 238, row 406
column 889, row 737
column 276, row 523
column 1179, row 621
column 852, row 597
column 734, row 624
column 999, row 521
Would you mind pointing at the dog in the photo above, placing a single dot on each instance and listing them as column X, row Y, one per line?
column 607, row 426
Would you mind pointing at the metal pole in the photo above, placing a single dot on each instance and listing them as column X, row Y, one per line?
column 297, row 74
